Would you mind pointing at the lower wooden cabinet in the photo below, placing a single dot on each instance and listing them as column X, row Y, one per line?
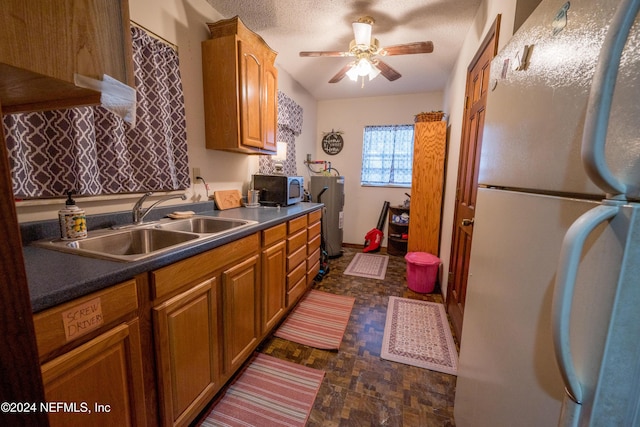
column 241, row 312
column 274, row 276
column 187, row 342
column 200, row 319
column 91, row 359
column 98, row 383
column 206, row 322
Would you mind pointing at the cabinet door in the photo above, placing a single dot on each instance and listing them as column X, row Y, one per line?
column 427, row 183
column 241, row 318
column 250, row 80
column 270, row 107
column 100, row 382
column 44, row 43
column 187, row 352
column 273, row 284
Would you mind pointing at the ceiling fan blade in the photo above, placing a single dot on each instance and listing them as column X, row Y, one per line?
column 340, row 75
column 325, row 53
column 407, row 49
column 388, row 72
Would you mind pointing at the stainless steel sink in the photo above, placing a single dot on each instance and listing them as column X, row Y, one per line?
column 134, row 243
column 205, row 225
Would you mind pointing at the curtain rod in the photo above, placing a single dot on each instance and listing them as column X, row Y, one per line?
column 155, row 36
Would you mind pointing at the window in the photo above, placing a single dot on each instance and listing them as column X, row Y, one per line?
column 387, row 155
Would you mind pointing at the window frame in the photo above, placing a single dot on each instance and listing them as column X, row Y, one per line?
column 388, row 134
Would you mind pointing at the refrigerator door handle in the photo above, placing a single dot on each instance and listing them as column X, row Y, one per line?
column 600, row 99
column 569, row 261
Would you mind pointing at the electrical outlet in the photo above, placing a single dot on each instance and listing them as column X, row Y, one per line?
column 196, row 173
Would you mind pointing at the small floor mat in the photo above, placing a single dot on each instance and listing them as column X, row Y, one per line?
column 319, row 320
column 417, row 333
column 368, row 265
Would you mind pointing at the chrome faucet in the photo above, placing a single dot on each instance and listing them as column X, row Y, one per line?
column 139, row 213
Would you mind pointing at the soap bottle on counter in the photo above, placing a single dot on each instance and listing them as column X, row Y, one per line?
column 73, row 222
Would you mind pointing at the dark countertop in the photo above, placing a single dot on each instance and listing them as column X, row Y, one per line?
column 57, row 277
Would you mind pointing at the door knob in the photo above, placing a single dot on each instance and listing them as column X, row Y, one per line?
column 466, row 222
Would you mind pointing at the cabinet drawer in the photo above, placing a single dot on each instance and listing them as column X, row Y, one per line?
column 313, row 244
column 313, row 259
column 274, row 234
column 65, row 323
column 297, row 224
column 296, row 275
column 296, row 291
column 296, row 241
column 168, row 280
column 313, row 230
column 312, row 273
column 296, row 258
column 315, row 216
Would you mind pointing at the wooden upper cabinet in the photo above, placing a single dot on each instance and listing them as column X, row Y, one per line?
column 44, row 43
column 240, row 85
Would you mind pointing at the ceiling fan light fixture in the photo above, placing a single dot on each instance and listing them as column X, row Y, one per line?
column 374, row 72
column 363, row 67
column 362, row 33
column 353, row 73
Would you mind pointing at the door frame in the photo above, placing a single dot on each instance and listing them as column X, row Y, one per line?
column 490, row 41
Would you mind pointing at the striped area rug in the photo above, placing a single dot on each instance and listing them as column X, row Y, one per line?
column 319, row 320
column 417, row 333
column 269, row 392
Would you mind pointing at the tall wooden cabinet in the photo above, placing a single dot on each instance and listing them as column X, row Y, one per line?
column 427, row 186
column 240, row 85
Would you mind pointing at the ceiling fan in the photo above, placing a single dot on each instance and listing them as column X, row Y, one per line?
column 366, row 51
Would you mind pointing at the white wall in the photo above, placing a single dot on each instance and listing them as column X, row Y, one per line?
column 183, row 24
column 363, row 204
column 453, row 105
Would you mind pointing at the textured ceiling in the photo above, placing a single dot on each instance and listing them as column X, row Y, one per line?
column 291, row 26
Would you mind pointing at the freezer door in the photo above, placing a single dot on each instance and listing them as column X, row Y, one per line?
column 535, row 112
column 507, row 369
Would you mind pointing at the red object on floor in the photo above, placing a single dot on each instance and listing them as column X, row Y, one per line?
column 422, row 271
column 373, row 239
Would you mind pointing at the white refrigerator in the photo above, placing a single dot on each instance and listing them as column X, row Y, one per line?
column 551, row 332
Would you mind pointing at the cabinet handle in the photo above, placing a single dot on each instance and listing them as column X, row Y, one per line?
column 466, row 222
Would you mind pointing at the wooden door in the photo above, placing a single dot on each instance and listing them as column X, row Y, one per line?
column 270, row 106
column 251, row 116
column 427, row 184
column 241, row 312
column 186, row 333
column 100, row 382
column 467, row 184
column 274, row 285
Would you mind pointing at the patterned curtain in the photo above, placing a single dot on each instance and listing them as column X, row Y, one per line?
column 290, row 116
column 92, row 151
column 387, row 155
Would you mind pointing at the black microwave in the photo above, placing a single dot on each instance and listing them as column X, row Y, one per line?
column 278, row 190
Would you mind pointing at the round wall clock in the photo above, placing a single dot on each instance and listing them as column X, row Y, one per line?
column 332, row 142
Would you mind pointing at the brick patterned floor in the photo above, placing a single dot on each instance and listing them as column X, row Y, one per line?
column 359, row 388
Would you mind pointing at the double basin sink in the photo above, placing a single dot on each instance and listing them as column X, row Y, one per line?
column 137, row 242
